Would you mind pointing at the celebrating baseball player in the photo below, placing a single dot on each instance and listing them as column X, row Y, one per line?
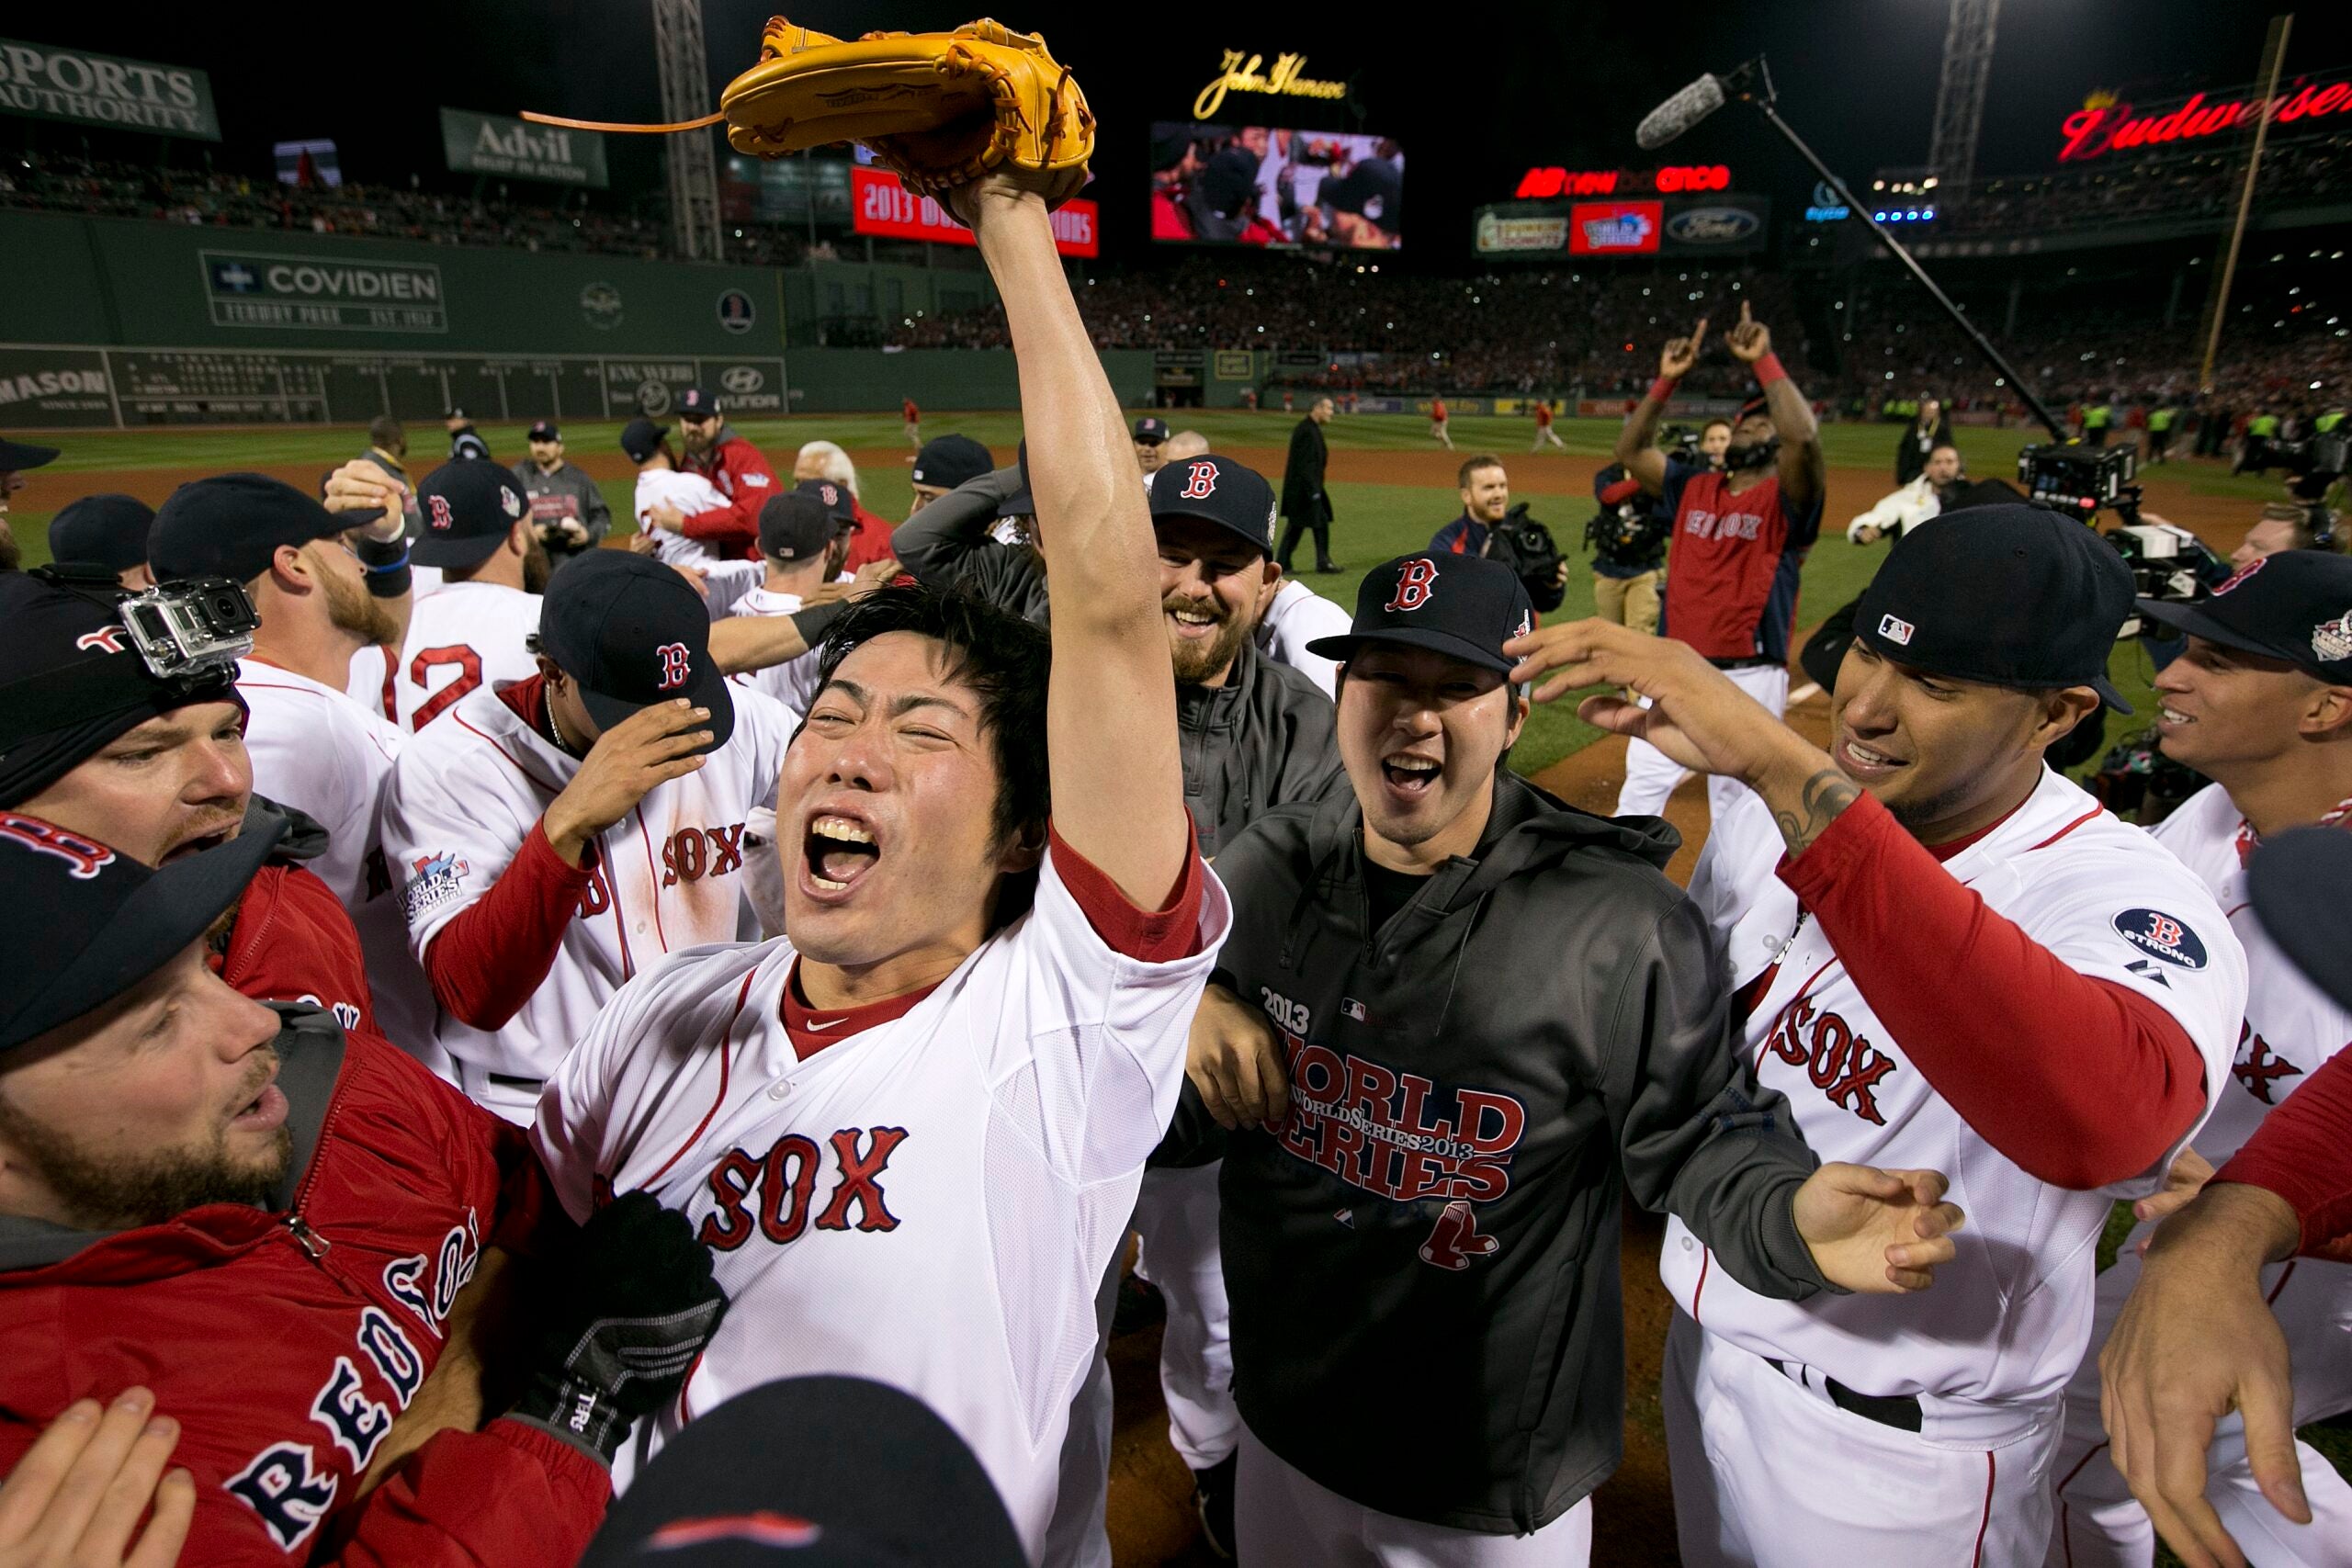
column 247, row 1229
column 474, row 630
column 314, row 748
column 912, row 1130
column 561, row 832
column 734, row 466
column 1741, row 531
column 138, row 741
column 1947, row 955
column 1422, row 1185
column 2261, row 702
column 2197, row 1339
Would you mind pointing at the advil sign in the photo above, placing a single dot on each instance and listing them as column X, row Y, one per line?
column 493, row 145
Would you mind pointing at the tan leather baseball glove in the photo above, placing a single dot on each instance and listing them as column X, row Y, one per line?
column 938, row 110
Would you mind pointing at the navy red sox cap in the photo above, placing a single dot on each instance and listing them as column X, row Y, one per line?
column 84, row 922
column 545, row 430
column 1465, row 607
column 110, row 529
column 796, row 526
column 18, row 456
column 697, row 403
column 1220, row 491
column 640, row 438
column 466, row 509
column 853, row 1474
column 2007, row 595
column 632, row 632
column 231, row 525
column 946, row 461
column 2295, row 605
column 834, row 497
column 1151, row 430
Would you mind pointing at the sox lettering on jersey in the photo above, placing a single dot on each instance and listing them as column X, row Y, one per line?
column 1708, row 524
column 784, row 1181
column 1413, row 585
column 1844, row 1065
column 2259, row 1068
column 674, row 665
column 692, row 853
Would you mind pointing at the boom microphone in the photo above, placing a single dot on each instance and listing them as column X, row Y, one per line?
column 1680, row 112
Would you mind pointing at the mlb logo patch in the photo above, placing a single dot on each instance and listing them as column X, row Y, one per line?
column 1895, row 629
column 1351, row 1007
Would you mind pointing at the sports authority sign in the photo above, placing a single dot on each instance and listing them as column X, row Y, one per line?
column 2107, row 123
column 102, row 89
column 251, row 288
column 493, row 145
column 1614, row 227
column 879, row 205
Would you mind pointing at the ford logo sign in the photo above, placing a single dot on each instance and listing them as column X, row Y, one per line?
column 1712, row 225
column 741, row 378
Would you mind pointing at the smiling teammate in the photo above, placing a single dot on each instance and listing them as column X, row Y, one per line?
column 912, row 1132
column 2074, row 1026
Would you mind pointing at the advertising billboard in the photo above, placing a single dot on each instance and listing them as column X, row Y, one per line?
column 880, row 206
column 494, row 144
column 1615, row 228
column 1257, row 184
column 105, row 89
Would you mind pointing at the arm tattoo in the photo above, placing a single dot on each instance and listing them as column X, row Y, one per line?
column 1824, row 797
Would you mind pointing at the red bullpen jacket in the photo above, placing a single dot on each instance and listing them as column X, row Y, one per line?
column 870, row 543
column 736, row 469
column 293, row 941
column 285, row 1340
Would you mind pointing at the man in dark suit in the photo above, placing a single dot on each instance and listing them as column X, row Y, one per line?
column 1921, row 437
column 1305, row 504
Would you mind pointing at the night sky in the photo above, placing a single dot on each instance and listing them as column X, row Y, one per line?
column 1539, row 83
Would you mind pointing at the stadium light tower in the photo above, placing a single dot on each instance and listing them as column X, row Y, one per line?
column 1960, row 97
column 685, row 94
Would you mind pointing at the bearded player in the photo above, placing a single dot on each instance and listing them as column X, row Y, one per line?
column 912, row 1132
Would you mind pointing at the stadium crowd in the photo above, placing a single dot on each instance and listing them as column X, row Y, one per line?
column 2172, row 184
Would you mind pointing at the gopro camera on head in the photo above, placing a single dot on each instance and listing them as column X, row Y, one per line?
column 192, row 628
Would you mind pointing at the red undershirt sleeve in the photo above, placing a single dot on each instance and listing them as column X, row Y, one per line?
column 2081, row 1082
column 1623, row 490
column 2302, row 1152
column 1148, row 936
column 486, row 962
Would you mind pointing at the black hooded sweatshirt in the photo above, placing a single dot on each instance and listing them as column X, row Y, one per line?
column 1423, row 1257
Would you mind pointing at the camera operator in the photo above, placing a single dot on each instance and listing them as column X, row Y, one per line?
column 1931, row 430
column 1906, row 508
column 1740, row 538
column 1628, row 539
column 2262, row 704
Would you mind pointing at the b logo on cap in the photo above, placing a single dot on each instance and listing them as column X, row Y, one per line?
column 1200, row 482
column 2248, row 569
column 1895, row 629
column 833, row 495
column 83, row 856
column 1413, row 584
column 439, row 507
column 674, row 665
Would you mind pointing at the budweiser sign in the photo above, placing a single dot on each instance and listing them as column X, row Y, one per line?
column 2106, row 124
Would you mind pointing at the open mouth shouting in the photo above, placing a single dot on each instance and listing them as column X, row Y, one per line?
column 1409, row 775
column 1865, row 764
column 836, row 854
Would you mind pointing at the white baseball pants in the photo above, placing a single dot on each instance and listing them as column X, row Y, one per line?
column 1280, row 1517
column 1176, row 1213
column 1651, row 775
column 2099, row 1522
column 1768, row 1473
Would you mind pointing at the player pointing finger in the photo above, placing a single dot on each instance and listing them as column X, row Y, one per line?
column 1680, row 354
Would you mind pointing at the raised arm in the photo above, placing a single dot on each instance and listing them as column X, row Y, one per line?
column 1111, row 713
column 1801, row 470
column 1637, row 441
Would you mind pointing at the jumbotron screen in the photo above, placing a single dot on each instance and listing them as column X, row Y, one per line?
column 1258, row 184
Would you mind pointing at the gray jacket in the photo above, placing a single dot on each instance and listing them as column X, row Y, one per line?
column 1422, row 1257
column 567, row 493
column 1262, row 739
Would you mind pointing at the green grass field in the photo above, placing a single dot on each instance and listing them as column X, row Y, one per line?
column 1374, row 521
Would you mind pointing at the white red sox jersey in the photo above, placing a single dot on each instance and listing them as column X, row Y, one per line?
column 317, row 751
column 2291, row 1026
column 930, row 1202
column 467, row 635
column 669, row 876
column 690, row 493
column 794, row 682
column 1989, row 1350
column 1296, row 618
